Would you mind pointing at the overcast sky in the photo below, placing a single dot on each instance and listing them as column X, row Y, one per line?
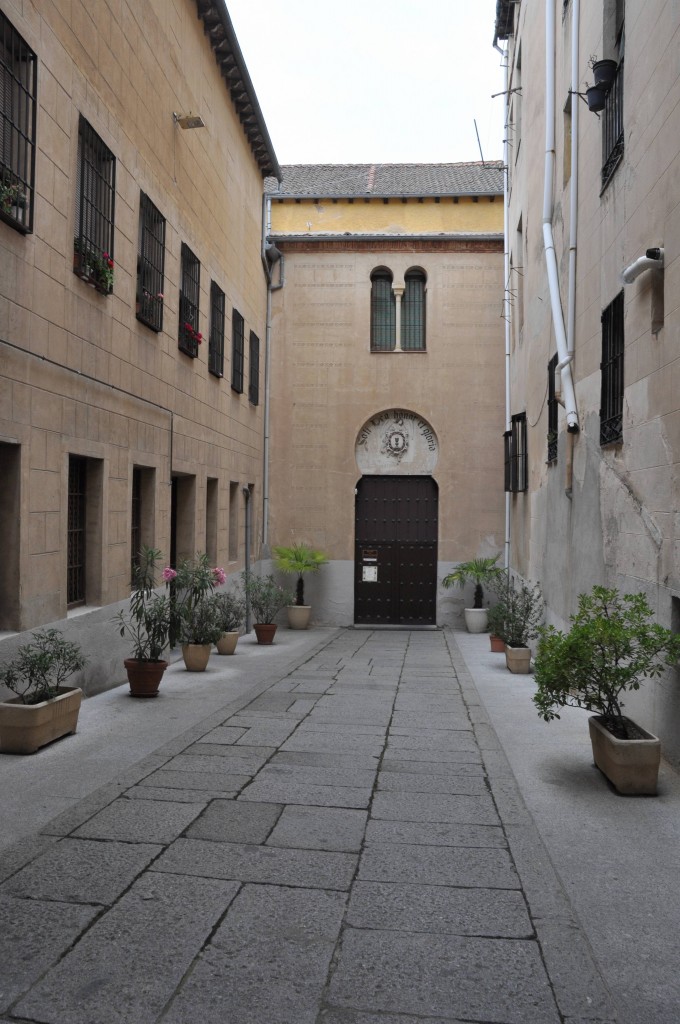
column 374, row 81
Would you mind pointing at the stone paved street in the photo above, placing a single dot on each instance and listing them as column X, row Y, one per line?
column 346, row 846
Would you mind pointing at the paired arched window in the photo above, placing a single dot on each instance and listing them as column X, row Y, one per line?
column 397, row 313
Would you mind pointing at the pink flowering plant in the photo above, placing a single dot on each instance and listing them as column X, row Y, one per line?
column 195, row 617
column 147, row 620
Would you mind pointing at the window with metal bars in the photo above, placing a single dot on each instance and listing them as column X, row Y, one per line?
column 95, row 207
column 135, row 521
column 150, row 264
column 552, row 411
column 77, row 490
column 189, row 290
column 383, row 312
column 611, row 402
column 237, row 351
column 18, row 90
column 413, row 312
column 612, row 128
column 254, row 369
column 216, row 340
column 515, row 442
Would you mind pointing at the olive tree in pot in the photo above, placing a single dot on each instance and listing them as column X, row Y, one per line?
column 299, row 559
column 612, row 645
column 231, row 611
column 194, row 618
column 147, row 624
column 480, row 571
column 44, row 709
column 266, row 598
column 522, row 609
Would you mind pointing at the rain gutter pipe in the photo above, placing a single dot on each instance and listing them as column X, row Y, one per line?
column 564, row 357
column 269, row 255
column 506, row 294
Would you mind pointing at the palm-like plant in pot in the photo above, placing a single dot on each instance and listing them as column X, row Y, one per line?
column 612, row 646
column 44, row 709
column 146, row 623
column 299, row 559
column 266, row 598
column 231, row 611
column 481, row 572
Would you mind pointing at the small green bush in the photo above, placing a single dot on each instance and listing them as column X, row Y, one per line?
column 40, row 668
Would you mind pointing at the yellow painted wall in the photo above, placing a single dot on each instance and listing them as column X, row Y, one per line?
column 397, row 217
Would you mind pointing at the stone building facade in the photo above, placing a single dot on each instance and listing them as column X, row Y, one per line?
column 386, row 381
column 597, row 503
column 133, row 295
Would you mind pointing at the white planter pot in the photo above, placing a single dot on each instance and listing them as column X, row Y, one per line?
column 227, row 643
column 476, row 620
column 632, row 766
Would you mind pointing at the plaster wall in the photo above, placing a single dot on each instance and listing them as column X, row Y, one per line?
column 394, row 215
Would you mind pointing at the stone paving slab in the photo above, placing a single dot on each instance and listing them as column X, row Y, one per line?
column 277, row 790
column 310, row 869
column 316, row 775
column 447, row 740
column 320, row 828
column 232, row 821
column 470, row 755
column 205, row 783
column 278, row 975
column 431, row 722
column 324, row 742
column 473, row 978
column 473, row 810
column 427, row 833
column 82, row 871
column 186, row 796
column 325, row 760
column 438, row 909
column 35, row 933
column 353, row 1017
column 221, row 759
column 128, row 965
column 447, row 769
column 315, row 724
column 487, row 868
column 137, row 821
column 224, row 734
column 418, row 782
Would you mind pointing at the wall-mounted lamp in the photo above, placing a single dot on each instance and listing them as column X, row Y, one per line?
column 188, row 120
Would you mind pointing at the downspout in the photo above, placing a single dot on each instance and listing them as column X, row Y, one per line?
column 269, row 255
column 507, row 308
column 564, row 357
column 573, row 221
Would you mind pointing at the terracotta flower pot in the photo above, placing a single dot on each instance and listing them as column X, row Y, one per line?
column 497, row 644
column 227, row 643
column 26, row 727
column 144, row 677
column 196, row 656
column 264, row 631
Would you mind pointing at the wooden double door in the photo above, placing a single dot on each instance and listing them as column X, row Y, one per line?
column 395, row 564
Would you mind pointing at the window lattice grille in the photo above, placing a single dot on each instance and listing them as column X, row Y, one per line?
column 237, row 351
column 552, row 411
column 18, row 89
column 150, row 264
column 189, row 292
column 515, row 442
column 77, row 485
column 611, row 403
column 216, row 342
column 254, row 369
column 383, row 312
column 612, row 128
column 413, row 312
column 135, row 521
column 95, row 199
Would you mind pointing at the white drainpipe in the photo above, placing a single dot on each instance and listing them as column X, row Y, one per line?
column 507, row 306
column 564, row 357
column 573, row 183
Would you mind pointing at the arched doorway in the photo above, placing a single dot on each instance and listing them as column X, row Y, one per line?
column 396, row 522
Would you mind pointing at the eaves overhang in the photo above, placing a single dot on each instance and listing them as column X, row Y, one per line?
column 220, row 31
column 505, row 17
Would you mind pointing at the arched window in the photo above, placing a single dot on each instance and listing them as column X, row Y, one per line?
column 383, row 312
column 413, row 311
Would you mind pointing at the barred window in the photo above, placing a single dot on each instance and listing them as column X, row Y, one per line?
column 135, row 521
column 237, row 351
column 77, row 491
column 413, row 312
column 254, row 369
column 612, row 128
column 552, row 411
column 189, row 290
column 611, row 404
column 516, row 475
column 150, row 264
column 95, row 203
column 18, row 89
column 216, row 341
column 383, row 312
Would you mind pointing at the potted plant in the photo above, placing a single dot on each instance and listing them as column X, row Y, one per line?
column 147, row 624
column 612, row 645
column 44, row 709
column 231, row 611
column 523, row 614
column 497, row 627
column 478, row 571
column 194, row 619
column 266, row 598
column 299, row 559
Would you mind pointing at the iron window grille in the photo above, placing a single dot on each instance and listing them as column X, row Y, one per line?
column 612, row 128
column 18, row 90
column 254, row 369
column 552, row 411
column 150, row 264
column 611, row 403
column 237, row 351
column 216, row 340
column 95, row 206
column 413, row 312
column 77, row 489
column 135, row 522
column 189, row 290
column 383, row 312
column 515, row 442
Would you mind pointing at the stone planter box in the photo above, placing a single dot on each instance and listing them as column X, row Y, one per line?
column 632, row 766
column 24, row 728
